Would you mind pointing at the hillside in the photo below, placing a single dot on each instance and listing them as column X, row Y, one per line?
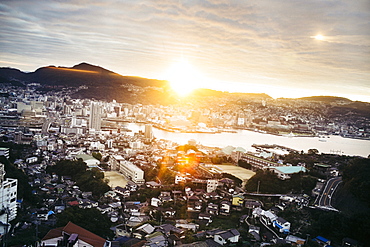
column 103, row 84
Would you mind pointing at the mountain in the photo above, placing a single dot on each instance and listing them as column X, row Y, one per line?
column 102, row 84
column 327, row 99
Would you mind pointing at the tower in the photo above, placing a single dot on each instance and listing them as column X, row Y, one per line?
column 95, row 117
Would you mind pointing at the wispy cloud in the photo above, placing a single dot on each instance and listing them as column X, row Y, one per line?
column 267, row 42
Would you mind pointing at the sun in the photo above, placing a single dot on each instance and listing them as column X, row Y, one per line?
column 319, row 37
column 183, row 77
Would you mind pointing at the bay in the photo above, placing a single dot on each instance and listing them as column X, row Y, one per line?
column 246, row 138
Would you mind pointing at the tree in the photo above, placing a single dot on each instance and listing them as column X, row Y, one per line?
column 97, row 156
column 356, row 179
column 313, row 151
column 88, row 180
column 24, row 189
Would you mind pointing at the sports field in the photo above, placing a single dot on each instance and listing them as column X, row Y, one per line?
column 115, row 179
column 237, row 171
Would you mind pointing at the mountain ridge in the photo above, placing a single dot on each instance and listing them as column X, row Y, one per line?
column 103, row 81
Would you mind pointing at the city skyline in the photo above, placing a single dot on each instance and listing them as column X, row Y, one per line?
column 284, row 49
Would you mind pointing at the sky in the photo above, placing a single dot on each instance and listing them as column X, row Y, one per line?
column 285, row 48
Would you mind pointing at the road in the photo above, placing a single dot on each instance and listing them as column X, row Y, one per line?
column 324, row 199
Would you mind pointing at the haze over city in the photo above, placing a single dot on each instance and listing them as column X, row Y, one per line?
column 284, row 48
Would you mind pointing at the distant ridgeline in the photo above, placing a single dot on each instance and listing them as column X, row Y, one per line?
column 95, row 82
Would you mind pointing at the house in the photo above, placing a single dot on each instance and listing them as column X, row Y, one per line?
column 349, row 242
column 165, row 196
column 251, row 204
column 322, row 241
column 122, row 191
column 121, row 230
column 255, row 232
column 206, row 217
column 155, row 202
column 143, row 231
column 71, row 235
column 131, row 207
column 194, row 204
column 152, row 184
column 224, row 237
column 168, row 229
column 212, row 209
column 183, row 224
column 137, row 220
column 268, row 217
column 156, row 239
column 282, row 225
column 43, row 214
column 225, row 207
column 295, row 240
column 238, row 200
column 105, row 209
column 168, row 212
column 59, row 207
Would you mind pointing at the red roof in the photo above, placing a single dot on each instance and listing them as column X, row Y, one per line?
column 73, row 203
column 83, row 234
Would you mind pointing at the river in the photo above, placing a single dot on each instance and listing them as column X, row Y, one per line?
column 246, row 138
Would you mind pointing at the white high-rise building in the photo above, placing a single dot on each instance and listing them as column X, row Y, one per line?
column 95, row 117
column 8, row 197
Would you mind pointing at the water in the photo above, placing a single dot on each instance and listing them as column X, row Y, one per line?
column 245, row 139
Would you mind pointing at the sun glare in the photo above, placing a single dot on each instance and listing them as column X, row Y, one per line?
column 319, row 37
column 183, row 77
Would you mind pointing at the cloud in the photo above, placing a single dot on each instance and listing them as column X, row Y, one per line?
column 263, row 41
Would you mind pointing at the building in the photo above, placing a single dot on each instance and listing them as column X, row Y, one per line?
column 132, row 172
column 211, row 185
column 258, row 163
column 115, row 161
column 4, row 152
column 270, row 219
column 8, row 197
column 95, row 117
column 148, row 133
column 89, row 160
column 72, row 235
column 284, row 172
column 229, row 236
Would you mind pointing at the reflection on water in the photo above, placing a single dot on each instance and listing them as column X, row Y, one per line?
column 245, row 139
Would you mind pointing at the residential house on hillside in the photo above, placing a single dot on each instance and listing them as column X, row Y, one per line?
column 224, row 237
column 71, row 235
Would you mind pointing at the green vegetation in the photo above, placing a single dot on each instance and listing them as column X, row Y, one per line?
column 356, row 179
column 144, row 194
column 88, row 180
column 270, row 183
column 97, row 156
column 24, row 189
